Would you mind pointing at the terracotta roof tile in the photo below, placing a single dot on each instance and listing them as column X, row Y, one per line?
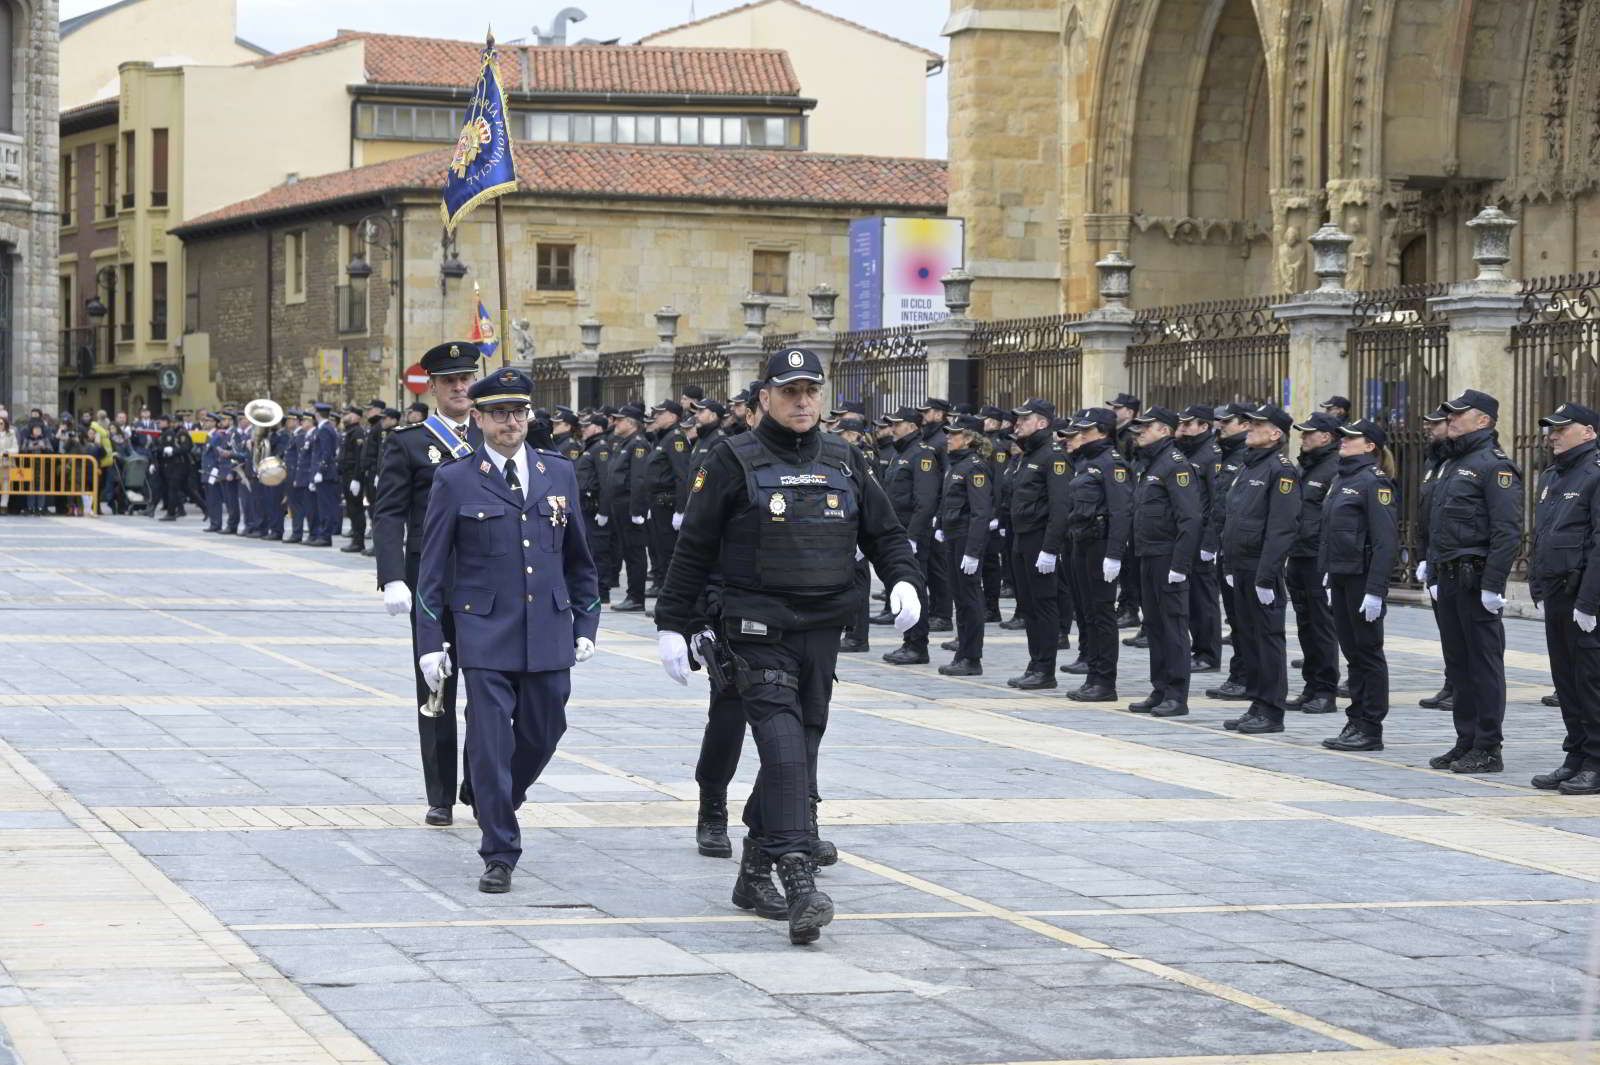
column 613, row 172
column 804, row 7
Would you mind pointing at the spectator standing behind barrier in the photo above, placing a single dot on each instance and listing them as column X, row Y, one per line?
column 8, row 447
column 37, row 443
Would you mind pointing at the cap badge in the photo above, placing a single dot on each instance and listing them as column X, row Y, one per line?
column 797, row 359
column 777, row 504
column 455, row 350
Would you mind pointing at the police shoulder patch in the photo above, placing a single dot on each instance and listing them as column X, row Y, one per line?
column 977, row 480
column 1504, row 478
column 678, row 445
column 1385, row 496
column 638, row 452
column 1182, row 478
column 927, row 465
column 1121, row 475
column 1285, row 485
column 1060, row 467
column 699, row 479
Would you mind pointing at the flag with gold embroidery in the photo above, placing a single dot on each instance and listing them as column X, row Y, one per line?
column 482, row 166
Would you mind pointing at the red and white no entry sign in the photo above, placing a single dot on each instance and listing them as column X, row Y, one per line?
column 416, row 378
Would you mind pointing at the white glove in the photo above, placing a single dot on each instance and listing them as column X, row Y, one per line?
column 1327, row 580
column 317, row 479
column 583, row 649
column 213, row 478
column 1002, row 534
column 938, row 536
column 1371, row 607
column 1422, row 571
column 167, row 451
column 1491, row 602
column 1328, row 595
column 396, row 598
column 994, row 523
column 859, row 555
column 355, row 488
column 906, row 606
column 1208, row 556
column 913, row 544
column 673, row 651
column 435, row 667
column 637, row 520
column 1110, row 569
column 1229, row 579
column 601, row 520
column 1585, row 621
column 1265, row 596
column 969, row 565
column 677, row 521
column 1045, row 563
column 1538, row 611
column 1174, row 577
column 1433, row 592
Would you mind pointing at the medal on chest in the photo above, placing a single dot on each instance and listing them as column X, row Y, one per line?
column 434, row 454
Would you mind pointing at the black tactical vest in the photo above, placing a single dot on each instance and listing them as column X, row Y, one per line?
column 797, row 533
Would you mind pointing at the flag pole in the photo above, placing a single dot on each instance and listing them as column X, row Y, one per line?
column 505, row 301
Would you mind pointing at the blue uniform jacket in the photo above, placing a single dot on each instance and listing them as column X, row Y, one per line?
column 325, row 451
column 518, row 579
column 300, row 465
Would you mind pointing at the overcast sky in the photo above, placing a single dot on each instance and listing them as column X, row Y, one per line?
column 282, row 24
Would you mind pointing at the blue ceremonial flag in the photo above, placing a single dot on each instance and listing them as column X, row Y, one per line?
column 483, row 333
column 482, row 166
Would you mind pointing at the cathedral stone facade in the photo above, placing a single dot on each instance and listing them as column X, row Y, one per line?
column 1208, row 139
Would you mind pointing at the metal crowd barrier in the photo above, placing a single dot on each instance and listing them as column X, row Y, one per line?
column 54, row 476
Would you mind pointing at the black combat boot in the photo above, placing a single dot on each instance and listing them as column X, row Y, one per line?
column 809, row 909
column 824, row 852
column 754, row 890
column 711, row 833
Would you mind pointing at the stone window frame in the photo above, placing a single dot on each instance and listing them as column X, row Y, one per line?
column 580, row 241
column 758, row 276
column 294, row 266
column 69, row 191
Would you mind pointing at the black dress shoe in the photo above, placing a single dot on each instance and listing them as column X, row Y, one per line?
column 962, row 667
column 438, row 816
column 1297, row 663
column 292, row 539
column 1138, row 639
column 1294, row 702
column 630, row 606
column 1128, row 619
column 1554, row 700
column 1015, row 622
column 853, row 647
column 1586, row 782
column 711, row 828
column 1145, row 705
column 884, row 618
column 991, row 616
column 1227, row 690
column 1481, row 760
column 354, row 547
column 1432, row 702
column 275, row 536
column 1447, row 759
column 319, row 542
column 169, row 517
column 1169, row 708
column 940, row 625
column 1253, row 724
column 1033, row 682
column 949, row 645
column 1203, row 665
column 1343, row 690
column 496, row 880
column 1353, row 739
column 1549, row 781
column 652, row 590
column 906, row 656
column 1318, row 704
column 1093, row 693
column 1078, row 668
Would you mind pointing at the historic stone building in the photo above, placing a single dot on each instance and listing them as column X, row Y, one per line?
column 1209, row 138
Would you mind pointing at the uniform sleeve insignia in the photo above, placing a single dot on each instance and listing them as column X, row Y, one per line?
column 977, row 480
column 638, row 452
column 1504, row 477
column 699, row 479
column 1060, row 468
column 1385, row 496
column 1121, row 475
column 927, row 465
column 434, row 454
column 1182, row 478
column 1285, row 485
column 677, row 445
column 1218, row 468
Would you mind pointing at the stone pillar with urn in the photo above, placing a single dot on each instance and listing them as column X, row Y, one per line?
column 581, row 367
column 656, row 364
column 1106, row 332
column 820, row 338
column 1482, row 312
column 746, row 358
column 1319, row 325
column 948, row 342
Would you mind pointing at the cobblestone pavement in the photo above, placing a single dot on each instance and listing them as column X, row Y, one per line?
column 211, row 851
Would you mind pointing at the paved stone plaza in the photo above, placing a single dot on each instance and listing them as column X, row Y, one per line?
column 211, row 851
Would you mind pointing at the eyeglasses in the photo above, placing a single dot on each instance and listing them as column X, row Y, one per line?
column 505, row 414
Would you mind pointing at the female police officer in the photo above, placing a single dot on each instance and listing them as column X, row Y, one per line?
column 1360, row 541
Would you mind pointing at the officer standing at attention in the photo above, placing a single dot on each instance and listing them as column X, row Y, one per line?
column 666, row 479
column 1474, row 532
column 1564, row 579
column 912, row 484
column 1435, row 457
column 1319, row 643
column 1168, row 513
column 564, row 426
column 965, row 508
column 350, row 451
column 1263, row 517
column 1233, row 425
column 1126, row 408
column 1197, row 440
column 778, row 512
column 857, row 638
column 1039, row 527
column 629, row 450
column 1360, row 543
column 932, row 417
column 415, row 452
column 1099, row 520
column 173, row 448
column 594, row 475
column 325, row 488
column 504, row 554
column 298, row 459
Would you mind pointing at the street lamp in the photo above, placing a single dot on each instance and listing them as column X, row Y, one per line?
column 451, row 268
column 107, row 276
column 365, row 232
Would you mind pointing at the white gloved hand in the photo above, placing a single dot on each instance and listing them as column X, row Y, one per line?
column 1433, row 592
column 435, row 666
column 1229, row 579
column 602, row 519
column 673, row 651
column 969, row 565
column 1174, row 577
column 906, row 606
column 938, row 536
column 317, row 479
column 859, row 555
column 1491, row 602
column 1208, row 556
column 1265, row 596
column 1422, row 571
column 677, row 521
column 355, row 488
column 167, row 451
column 1002, row 534
column 213, row 478
column 396, row 598
column 583, row 649
column 1110, row 569
column 1538, row 611
column 1584, row 621
column 913, row 544
column 1327, row 594
column 1045, row 563
column 1371, row 607
column 994, row 523
column 637, row 520
column 1327, row 580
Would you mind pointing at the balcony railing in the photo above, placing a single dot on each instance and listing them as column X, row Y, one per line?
column 77, row 351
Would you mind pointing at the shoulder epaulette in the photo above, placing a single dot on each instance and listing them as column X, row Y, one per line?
column 410, row 425
column 1285, row 460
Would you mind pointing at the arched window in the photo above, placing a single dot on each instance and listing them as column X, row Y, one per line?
column 7, row 65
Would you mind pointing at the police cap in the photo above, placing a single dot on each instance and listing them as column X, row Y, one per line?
column 1042, row 407
column 505, row 385
column 1320, row 422
column 453, row 356
column 793, row 364
column 631, row 410
column 903, row 414
column 668, row 406
column 322, row 408
column 1472, row 399
column 1100, row 418
column 1197, row 412
column 1341, row 402
column 1368, row 428
column 935, row 404
column 1155, row 414
column 1569, row 413
column 967, row 423
column 1274, row 414
column 1122, row 399
column 715, row 406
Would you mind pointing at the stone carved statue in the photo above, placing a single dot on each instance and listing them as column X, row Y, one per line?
column 1291, row 260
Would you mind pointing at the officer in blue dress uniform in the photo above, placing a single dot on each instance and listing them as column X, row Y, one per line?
column 324, row 479
column 504, row 551
column 297, row 458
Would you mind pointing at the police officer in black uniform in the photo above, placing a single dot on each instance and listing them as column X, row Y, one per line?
column 173, row 452
column 1474, row 531
column 565, row 426
column 666, row 471
column 1198, row 442
column 1564, row 579
column 1434, row 458
column 1126, row 407
column 1233, row 426
column 1262, row 519
column 912, row 481
column 779, row 512
column 630, row 447
column 1099, row 520
column 352, row 442
column 594, row 476
column 1319, row 643
column 965, row 509
column 857, row 638
column 1356, row 554
column 931, row 417
column 1039, row 528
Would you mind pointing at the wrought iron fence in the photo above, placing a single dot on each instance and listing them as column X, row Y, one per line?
column 773, row 341
column 881, row 368
column 1555, row 353
column 1020, row 358
column 621, row 377
column 1399, row 352
column 551, row 386
column 705, row 365
column 1233, row 351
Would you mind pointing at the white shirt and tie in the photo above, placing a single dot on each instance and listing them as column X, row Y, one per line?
column 513, row 468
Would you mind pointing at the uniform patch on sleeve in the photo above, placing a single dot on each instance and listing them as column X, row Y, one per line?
column 1121, row 475
column 978, row 479
column 1061, row 467
column 1285, row 485
column 1182, row 477
column 677, row 445
column 1503, row 478
column 1385, row 496
column 927, row 465
column 699, row 479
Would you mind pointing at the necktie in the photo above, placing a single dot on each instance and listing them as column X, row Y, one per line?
column 511, row 479
column 461, row 431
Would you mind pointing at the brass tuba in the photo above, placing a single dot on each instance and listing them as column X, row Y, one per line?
column 264, row 414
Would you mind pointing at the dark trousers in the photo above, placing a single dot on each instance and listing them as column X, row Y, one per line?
column 357, row 513
column 600, row 547
column 938, row 574
column 1575, row 664
column 299, row 505
column 327, row 510
column 1166, row 622
column 860, row 627
column 721, row 743
column 517, row 719
column 788, row 717
column 663, row 538
column 916, row 637
column 1319, row 644
column 171, row 492
column 966, row 592
column 438, row 734
column 628, row 547
column 1205, row 616
column 230, row 503
column 1096, row 599
column 1066, row 602
column 1474, row 657
column 1036, row 598
column 1259, row 639
column 249, row 512
column 1235, row 660
column 991, row 572
column 1129, row 586
column 272, row 509
column 1362, row 643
